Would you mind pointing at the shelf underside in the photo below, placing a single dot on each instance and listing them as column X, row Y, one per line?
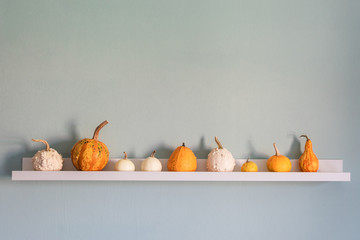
column 329, row 170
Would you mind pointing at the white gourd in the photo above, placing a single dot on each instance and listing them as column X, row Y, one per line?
column 220, row 159
column 48, row 159
column 151, row 164
column 124, row 165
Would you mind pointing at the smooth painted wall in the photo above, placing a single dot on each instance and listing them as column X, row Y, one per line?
column 164, row 72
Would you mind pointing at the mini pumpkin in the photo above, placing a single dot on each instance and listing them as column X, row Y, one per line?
column 90, row 154
column 151, row 164
column 48, row 159
column 308, row 161
column 124, row 165
column 182, row 159
column 249, row 166
column 278, row 163
column 220, row 159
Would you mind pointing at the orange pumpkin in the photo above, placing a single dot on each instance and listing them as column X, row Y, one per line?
column 308, row 161
column 90, row 154
column 182, row 160
column 278, row 163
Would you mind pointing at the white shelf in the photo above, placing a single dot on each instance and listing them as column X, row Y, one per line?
column 329, row 170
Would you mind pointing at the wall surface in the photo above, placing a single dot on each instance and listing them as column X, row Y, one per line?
column 164, row 72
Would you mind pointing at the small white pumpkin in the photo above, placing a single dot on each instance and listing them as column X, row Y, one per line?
column 220, row 159
column 124, row 165
column 151, row 164
column 48, row 159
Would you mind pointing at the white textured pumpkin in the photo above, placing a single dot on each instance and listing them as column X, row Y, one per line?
column 124, row 165
column 220, row 159
column 48, row 159
column 151, row 164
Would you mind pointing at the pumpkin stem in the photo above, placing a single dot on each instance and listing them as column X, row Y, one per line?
column 153, row 154
column 44, row 142
column 247, row 160
column 97, row 130
column 277, row 153
column 218, row 143
column 307, row 139
column 125, row 155
column 183, row 144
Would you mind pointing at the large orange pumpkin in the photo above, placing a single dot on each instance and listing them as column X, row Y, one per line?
column 182, row 160
column 278, row 163
column 90, row 154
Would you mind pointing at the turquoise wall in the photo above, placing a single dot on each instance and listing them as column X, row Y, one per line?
column 164, row 72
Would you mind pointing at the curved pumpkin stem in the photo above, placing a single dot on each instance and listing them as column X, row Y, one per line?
column 153, row 153
column 183, row 144
column 305, row 136
column 44, row 142
column 125, row 155
column 277, row 153
column 97, row 130
column 218, row 142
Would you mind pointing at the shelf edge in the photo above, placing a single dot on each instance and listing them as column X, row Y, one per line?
column 180, row 176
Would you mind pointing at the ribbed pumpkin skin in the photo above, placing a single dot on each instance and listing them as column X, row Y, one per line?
column 89, row 155
column 182, row 160
column 308, row 161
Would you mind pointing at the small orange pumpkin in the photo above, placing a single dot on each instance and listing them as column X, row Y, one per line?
column 308, row 161
column 182, row 160
column 90, row 154
column 278, row 163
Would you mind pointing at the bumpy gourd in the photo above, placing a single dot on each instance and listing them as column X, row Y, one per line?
column 151, row 164
column 220, row 159
column 90, row 154
column 278, row 163
column 48, row 159
column 308, row 161
column 182, row 160
column 249, row 166
column 124, row 165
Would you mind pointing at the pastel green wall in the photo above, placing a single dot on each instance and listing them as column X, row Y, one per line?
column 164, row 72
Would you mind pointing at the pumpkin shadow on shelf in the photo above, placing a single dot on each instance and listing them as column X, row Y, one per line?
column 237, row 168
column 162, row 151
column 13, row 160
column 295, row 148
column 254, row 154
column 202, row 152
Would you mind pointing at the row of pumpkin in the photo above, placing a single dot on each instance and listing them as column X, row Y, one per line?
column 93, row 155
